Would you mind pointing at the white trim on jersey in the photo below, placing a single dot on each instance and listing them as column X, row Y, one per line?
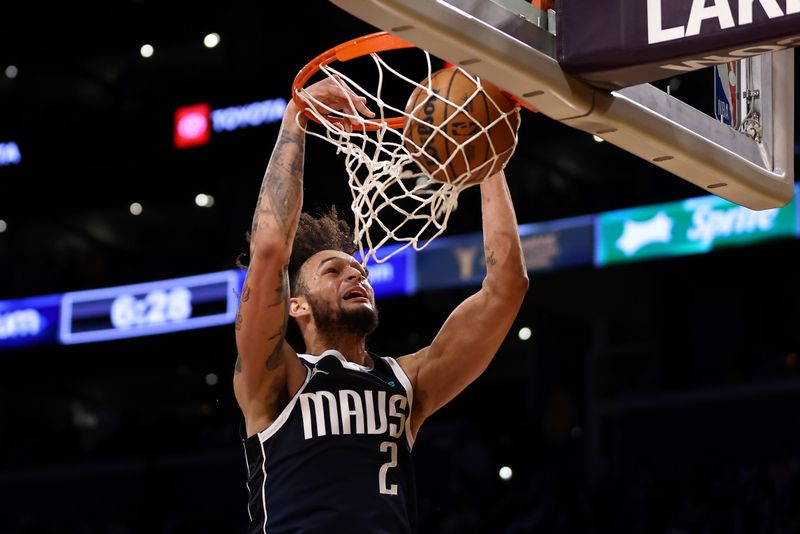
column 264, row 483
column 403, row 378
column 265, row 434
column 247, row 462
column 346, row 364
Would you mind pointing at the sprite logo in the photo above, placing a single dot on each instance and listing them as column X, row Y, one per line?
column 709, row 224
column 693, row 226
column 635, row 234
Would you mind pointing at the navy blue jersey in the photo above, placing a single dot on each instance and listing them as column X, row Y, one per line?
column 338, row 457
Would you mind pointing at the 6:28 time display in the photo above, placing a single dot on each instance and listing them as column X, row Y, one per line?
column 149, row 308
column 156, row 307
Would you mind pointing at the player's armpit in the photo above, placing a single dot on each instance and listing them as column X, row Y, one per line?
column 463, row 348
column 267, row 368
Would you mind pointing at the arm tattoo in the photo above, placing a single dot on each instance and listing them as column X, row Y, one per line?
column 282, row 188
column 281, row 293
column 274, row 359
column 490, row 259
column 246, row 294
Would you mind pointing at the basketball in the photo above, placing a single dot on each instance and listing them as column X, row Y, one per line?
column 448, row 132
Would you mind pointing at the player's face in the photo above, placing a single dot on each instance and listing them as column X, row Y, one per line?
column 339, row 293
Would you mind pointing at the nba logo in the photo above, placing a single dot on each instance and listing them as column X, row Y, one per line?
column 726, row 94
column 192, row 126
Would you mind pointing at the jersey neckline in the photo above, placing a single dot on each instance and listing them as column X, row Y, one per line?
column 345, row 362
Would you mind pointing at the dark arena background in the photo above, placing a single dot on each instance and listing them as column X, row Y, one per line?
column 654, row 395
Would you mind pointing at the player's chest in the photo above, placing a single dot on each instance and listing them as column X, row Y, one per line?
column 351, row 405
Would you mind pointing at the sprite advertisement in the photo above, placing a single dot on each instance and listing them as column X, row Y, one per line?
column 692, row 226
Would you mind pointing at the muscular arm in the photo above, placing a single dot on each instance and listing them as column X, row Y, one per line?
column 261, row 373
column 470, row 337
column 267, row 370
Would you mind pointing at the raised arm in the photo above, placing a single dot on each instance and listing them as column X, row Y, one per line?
column 470, row 337
column 267, row 370
column 261, row 366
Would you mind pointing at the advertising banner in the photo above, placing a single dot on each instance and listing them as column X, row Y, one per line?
column 458, row 261
column 29, row 321
column 395, row 276
column 692, row 226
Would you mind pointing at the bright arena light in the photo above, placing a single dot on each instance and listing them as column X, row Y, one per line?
column 505, row 473
column 524, row 333
column 204, row 201
column 211, row 40
column 12, row 71
column 212, row 379
column 3, row 226
column 135, row 208
column 146, row 50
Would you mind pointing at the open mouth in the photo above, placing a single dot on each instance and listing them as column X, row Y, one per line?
column 356, row 294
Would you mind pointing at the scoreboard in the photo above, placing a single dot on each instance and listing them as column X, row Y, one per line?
column 149, row 308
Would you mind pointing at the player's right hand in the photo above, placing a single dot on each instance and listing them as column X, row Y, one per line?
column 332, row 94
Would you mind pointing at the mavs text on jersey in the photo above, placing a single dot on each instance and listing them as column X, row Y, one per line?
column 338, row 457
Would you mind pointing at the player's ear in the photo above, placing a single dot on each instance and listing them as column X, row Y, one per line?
column 298, row 307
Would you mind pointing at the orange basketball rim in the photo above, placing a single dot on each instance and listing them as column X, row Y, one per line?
column 359, row 47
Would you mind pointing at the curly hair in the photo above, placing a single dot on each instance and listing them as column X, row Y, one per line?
column 324, row 232
column 327, row 231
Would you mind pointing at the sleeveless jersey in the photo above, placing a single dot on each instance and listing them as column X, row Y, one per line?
column 338, row 457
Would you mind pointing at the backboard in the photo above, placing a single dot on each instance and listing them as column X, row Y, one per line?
column 513, row 44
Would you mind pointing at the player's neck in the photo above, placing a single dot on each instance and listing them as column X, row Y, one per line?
column 351, row 345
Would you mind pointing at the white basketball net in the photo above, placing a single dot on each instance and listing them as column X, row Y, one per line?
column 395, row 201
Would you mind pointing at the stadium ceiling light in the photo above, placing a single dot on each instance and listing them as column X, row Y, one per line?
column 211, row 40
column 146, row 50
column 135, row 208
column 12, row 71
column 203, row 200
column 505, row 473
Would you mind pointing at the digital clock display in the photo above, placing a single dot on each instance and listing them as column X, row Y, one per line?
column 149, row 308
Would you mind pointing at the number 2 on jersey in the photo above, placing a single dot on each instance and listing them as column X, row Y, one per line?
column 391, row 448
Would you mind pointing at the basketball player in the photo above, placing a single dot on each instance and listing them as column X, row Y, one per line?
column 329, row 432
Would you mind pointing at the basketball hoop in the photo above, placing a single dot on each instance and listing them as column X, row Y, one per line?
column 395, row 199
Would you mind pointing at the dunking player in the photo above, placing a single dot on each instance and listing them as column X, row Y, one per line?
column 329, row 432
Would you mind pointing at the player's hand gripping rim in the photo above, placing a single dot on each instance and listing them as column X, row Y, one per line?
column 332, row 95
